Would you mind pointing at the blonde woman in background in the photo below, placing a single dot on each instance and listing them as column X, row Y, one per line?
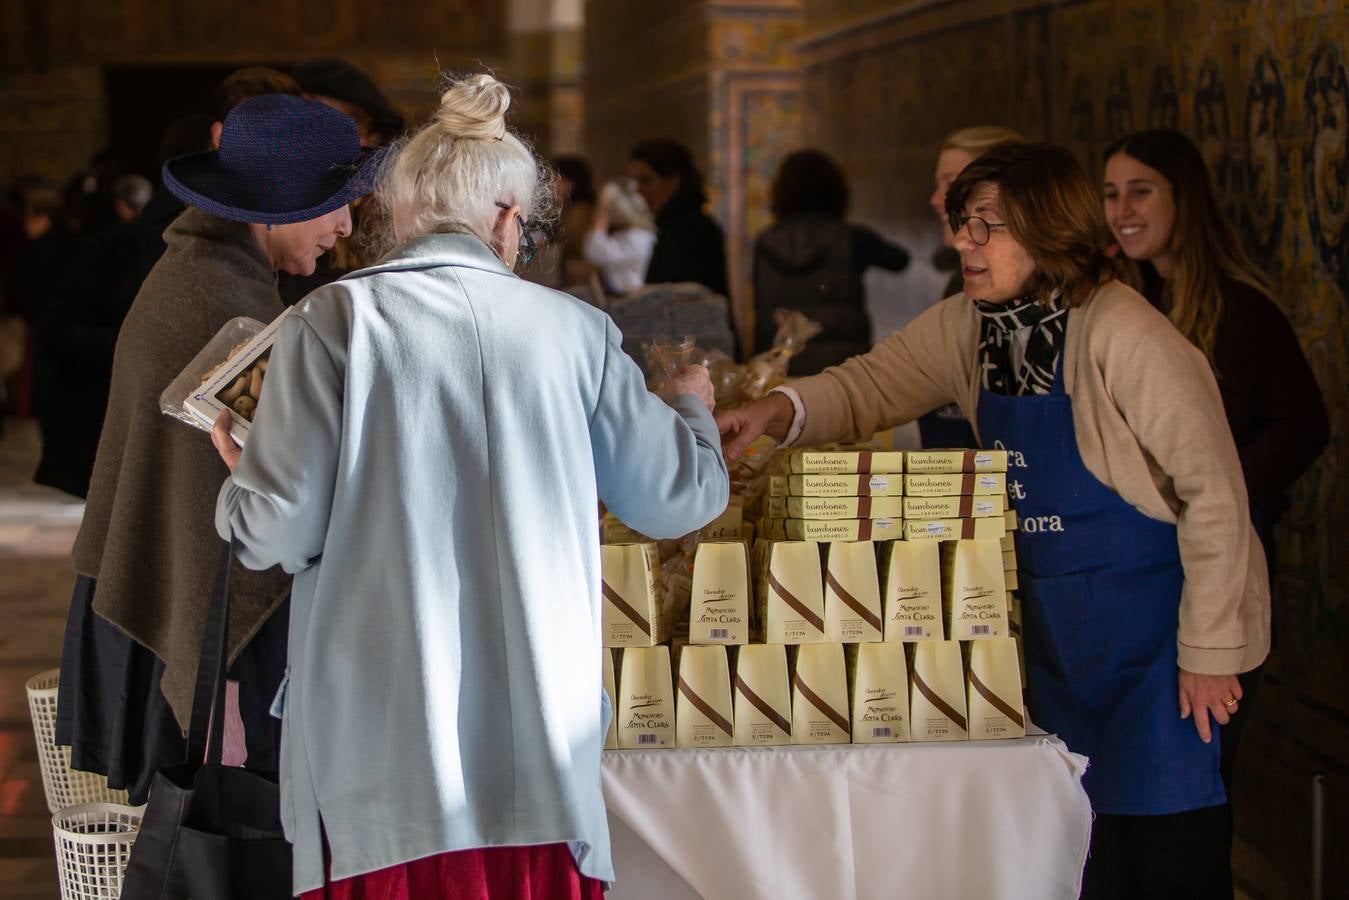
column 428, row 460
column 621, row 237
column 959, row 150
column 947, row 427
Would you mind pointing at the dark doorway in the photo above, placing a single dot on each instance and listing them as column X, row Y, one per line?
column 142, row 101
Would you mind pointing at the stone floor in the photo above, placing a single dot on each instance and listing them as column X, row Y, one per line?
column 37, row 526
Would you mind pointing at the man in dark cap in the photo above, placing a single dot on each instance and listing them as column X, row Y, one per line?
column 242, row 84
column 347, row 89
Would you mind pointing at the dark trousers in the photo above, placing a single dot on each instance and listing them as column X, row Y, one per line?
column 1250, row 686
column 1182, row 856
column 111, row 712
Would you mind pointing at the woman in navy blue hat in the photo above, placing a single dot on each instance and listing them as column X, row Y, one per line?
column 272, row 198
column 428, row 459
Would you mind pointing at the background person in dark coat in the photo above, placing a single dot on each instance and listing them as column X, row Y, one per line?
column 811, row 260
column 48, row 245
column 190, row 134
column 79, row 332
column 689, row 242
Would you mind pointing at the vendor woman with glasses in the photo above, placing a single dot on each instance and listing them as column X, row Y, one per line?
column 1145, row 587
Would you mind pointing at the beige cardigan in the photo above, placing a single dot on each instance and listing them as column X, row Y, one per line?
column 1149, row 423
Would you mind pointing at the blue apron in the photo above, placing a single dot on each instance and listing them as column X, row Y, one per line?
column 1101, row 586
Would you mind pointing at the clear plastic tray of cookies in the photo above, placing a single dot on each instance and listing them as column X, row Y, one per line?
column 228, row 341
column 229, row 373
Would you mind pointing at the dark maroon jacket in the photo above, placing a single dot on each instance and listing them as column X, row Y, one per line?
column 1273, row 402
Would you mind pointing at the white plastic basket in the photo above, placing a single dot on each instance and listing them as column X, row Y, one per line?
column 63, row 785
column 93, row 845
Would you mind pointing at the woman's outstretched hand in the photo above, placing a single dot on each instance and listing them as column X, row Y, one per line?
column 740, row 427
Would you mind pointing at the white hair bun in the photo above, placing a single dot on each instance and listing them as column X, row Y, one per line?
column 475, row 107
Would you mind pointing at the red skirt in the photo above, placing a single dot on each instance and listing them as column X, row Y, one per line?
column 542, row 872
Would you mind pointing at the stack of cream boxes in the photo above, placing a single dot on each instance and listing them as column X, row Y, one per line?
column 820, row 594
column 957, row 523
column 837, row 495
column 688, row 704
column 834, row 615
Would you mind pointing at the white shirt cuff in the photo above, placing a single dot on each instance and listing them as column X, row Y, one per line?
column 798, row 418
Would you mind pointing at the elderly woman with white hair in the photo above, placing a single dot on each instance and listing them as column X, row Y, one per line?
column 428, row 459
column 621, row 237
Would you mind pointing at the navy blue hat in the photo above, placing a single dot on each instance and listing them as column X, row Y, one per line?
column 281, row 159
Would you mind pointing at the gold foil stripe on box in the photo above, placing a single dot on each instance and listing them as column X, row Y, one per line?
column 818, row 702
column 840, row 508
column 997, row 702
column 845, row 484
column 936, row 700
column 953, row 484
column 762, row 706
column 853, row 603
column 794, row 602
column 955, row 462
column 625, row 607
column 705, row 708
column 846, row 462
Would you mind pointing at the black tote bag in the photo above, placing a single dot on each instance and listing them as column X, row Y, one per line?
column 210, row 832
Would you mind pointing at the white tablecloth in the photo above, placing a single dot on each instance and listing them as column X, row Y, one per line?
column 979, row 820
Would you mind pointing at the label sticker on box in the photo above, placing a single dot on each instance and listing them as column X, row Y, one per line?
column 983, row 507
column 879, row 483
column 988, row 481
column 982, row 459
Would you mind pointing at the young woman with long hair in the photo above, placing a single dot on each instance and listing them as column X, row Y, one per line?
column 1161, row 207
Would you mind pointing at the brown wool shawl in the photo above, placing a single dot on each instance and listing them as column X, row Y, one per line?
column 148, row 535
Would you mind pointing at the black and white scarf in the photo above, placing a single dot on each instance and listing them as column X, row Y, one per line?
column 999, row 323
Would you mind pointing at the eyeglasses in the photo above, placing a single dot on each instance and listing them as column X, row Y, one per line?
column 980, row 230
column 527, row 246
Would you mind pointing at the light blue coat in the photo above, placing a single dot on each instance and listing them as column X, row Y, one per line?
column 427, row 459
